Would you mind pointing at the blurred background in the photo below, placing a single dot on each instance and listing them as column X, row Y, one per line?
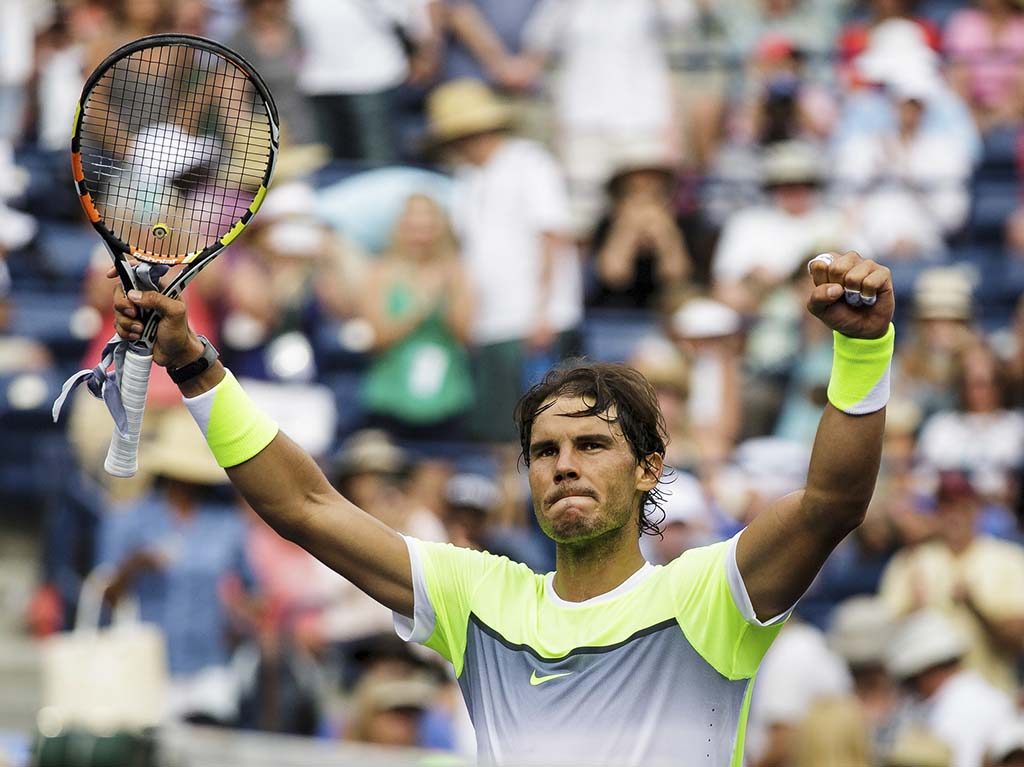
column 469, row 191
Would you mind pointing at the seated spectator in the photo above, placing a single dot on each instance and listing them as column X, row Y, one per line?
column 812, row 26
column 981, row 436
column 388, row 711
column 760, row 247
column 855, row 36
column 898, row 49
column 614, row 88
column 915, row 746
column 471, row 505
column 834, row 732
column 665, row 366
column 419, row 302
column 925, row 367
column 859, row 632
column 290, row 270
column 639, row 248
column 1010, row 344
column 984, row 46
column 957, row 705
column 511, row 214
column 905, row 188
column 177, row 551
column 687, row 524
column 708, row 334
column 974, row 579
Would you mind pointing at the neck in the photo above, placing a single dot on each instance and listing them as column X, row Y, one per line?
column 595, row 567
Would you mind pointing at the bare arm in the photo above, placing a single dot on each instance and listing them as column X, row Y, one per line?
column 783, row 549
column 473, row 31
column 283, row 484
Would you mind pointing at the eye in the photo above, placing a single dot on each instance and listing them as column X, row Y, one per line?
column 545, row 452
column 591, row 446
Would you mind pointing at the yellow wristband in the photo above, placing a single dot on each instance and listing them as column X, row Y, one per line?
column 860, row 372
column 235, row 429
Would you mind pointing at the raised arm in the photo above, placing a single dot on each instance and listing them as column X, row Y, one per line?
column 281, row 482
column 783, row 549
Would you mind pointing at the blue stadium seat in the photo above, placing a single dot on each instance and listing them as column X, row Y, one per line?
column 993, row 202
column 999, row 155
column 48, row 317
column 65, row 249
column 611, row 336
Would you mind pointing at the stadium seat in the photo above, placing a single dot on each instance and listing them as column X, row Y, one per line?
column 611, row 336
column 993, row 202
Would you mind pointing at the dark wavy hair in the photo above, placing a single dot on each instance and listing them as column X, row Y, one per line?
column 609, row 385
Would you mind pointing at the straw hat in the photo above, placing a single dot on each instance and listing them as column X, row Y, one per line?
column 943, row 293
column 791, row 162
column 464, row 107
column 177, row 450
column 917, row 748
column 860, row 630
column 370, row 451
column 638, row 156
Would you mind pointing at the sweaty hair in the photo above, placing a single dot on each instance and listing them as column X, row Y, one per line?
column 611, row 387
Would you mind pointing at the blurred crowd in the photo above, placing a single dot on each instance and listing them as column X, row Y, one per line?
column 471, row 190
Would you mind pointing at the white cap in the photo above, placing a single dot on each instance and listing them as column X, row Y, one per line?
column 684, row 499
column 705, row 318
column 924, row 640
column 895, row 47
column 163, row 151
column 290, row 200
column 474, row 491
column 860, row 630
column 1006, row 740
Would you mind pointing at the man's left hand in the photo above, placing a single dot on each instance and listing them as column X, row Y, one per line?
column 850, row 272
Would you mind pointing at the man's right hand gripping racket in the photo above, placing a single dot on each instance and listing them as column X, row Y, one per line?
column 172, row 151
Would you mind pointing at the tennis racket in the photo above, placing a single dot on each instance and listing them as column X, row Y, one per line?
column 173, row 147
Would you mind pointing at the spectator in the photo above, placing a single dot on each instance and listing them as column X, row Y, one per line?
column 687, row 524
column 762, row 246
column 511, row 213
column 1006, row 748
column 860, row 631
column 834, row 734
column 954, row 704
column 708, row 334
column 471, row 506
column 906, row 188
column 388, row 711
column 23, row 20
column 898, row 50
column 666, row 367
column 916, row 747
column 855, row 35
column 925, row 368
column 975, row 580
column 269, row 40
column 981, row 436
column 985, row 49
column 176, row 551
column 353, row 65
column 614, row 89
column 291, row 270
column 419, row 302
column 811, row 25
column 1010, row 343
column 486, row 43
column 640, row 251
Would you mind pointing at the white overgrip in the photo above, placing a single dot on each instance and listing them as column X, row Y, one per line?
column 123, row 455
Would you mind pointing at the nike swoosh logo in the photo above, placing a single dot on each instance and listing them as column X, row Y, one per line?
column 536, row 680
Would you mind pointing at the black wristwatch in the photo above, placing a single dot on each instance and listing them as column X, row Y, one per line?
column 197, row 366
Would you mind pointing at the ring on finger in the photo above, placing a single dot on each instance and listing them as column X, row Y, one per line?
column 824, row 258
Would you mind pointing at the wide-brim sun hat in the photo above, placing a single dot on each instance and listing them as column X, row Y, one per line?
column 791, row 162
column 923, row 641
column 860, row 631
column 177, row 450
column 462, row 108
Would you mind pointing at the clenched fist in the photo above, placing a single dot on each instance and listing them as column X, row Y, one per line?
column 850, row 272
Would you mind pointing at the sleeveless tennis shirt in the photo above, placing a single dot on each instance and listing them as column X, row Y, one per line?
column 658, row 671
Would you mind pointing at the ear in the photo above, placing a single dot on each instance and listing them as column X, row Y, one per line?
column 648, row 472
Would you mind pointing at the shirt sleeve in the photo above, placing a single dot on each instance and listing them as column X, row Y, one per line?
column 445, row 580
column 715, row 613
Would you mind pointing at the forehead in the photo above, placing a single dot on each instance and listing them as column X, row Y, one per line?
column 558, row 418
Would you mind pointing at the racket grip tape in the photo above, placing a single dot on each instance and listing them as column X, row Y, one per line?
column 123, row 455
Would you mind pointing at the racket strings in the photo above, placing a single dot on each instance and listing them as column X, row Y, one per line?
column 176, row 141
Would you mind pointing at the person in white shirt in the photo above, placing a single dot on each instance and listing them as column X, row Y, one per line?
column 614, row 89
column 762, row 246
column 511, row 213
column 353, row 62
column 906, row 186
column 955, row 705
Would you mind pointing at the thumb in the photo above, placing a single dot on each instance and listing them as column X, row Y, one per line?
column 165, row 306
column 823, row 296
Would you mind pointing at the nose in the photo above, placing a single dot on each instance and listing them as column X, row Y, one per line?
column 565, row 466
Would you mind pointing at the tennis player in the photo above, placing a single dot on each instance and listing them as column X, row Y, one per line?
column 608, row 660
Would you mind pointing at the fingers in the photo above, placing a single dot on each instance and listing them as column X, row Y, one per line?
column 861, row 278
column 823, row 296
column 163, row 305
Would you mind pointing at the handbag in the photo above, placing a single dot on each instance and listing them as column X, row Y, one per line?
column 104, row 680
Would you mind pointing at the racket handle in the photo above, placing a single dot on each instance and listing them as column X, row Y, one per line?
column 123, row 455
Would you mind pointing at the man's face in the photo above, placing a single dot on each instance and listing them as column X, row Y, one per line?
column 584, row 477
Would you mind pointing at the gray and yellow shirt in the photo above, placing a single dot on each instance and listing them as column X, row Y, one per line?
column 658, row 671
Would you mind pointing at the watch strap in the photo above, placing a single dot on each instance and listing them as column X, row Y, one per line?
column 197, row 366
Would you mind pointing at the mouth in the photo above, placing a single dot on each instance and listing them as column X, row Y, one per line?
column 568, row 492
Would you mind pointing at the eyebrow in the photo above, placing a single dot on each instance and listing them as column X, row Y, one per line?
column 544, row 444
